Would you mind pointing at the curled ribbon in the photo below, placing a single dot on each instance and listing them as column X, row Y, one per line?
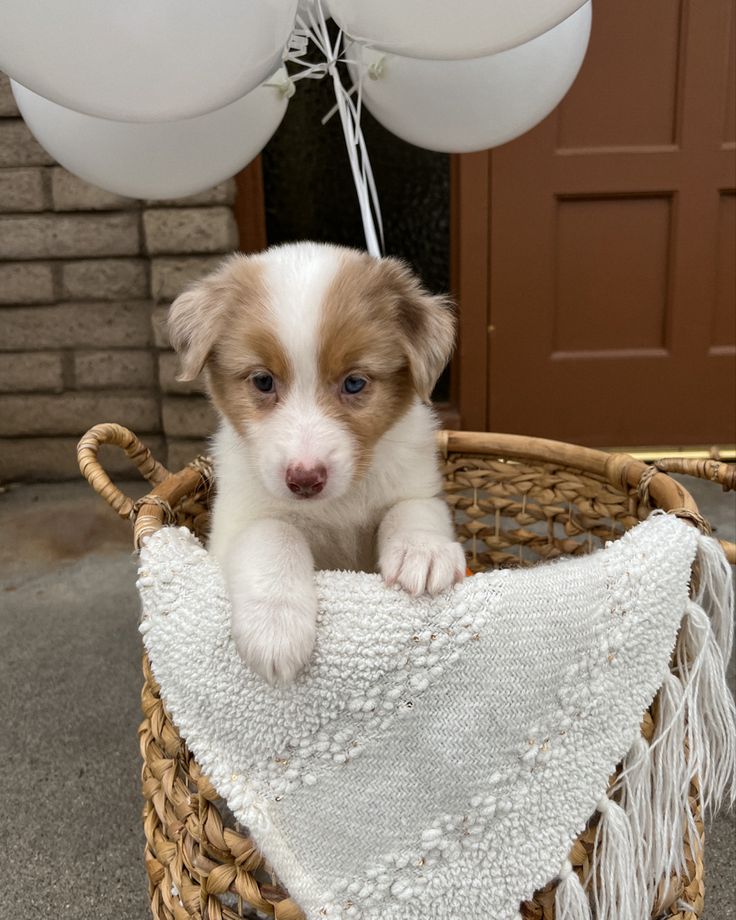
column 312, row 28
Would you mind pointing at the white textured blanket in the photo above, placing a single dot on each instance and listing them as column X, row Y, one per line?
column 441, row 755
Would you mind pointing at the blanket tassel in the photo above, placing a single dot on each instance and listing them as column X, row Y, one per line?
column 636, row 797
column 615, row 890
column 571, row 901
column 670, row 785
column 715, row 592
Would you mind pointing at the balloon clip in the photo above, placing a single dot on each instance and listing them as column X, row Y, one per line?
column 377, row 69
column 298, row 44
column 286, row 87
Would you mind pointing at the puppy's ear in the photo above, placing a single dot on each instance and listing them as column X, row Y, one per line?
column 427, row 323
column 196, row 319
column 190, row 331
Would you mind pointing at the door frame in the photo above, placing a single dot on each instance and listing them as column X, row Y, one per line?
column 249, row 207
column 470, row 231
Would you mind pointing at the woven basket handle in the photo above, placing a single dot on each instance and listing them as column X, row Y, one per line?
column 713, row 471
column 138, row 453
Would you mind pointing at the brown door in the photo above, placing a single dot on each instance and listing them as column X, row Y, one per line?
column 249, row 207
column 603, row 241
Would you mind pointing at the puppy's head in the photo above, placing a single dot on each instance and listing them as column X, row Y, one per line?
column 312, row 353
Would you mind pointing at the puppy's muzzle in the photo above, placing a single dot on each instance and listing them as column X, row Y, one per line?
column 305, row 483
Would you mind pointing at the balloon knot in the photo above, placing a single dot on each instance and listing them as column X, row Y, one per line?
column 377, row 69
column 286, row 88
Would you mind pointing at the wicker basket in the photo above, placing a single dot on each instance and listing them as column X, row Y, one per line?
column 515, row 501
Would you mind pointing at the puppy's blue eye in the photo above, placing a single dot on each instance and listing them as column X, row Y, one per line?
column 263, row 382
column 353, row 385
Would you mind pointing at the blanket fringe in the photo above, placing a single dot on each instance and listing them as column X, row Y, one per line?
column 711, row 713
column 669, row 784
column 640, row 839
column 715, row 593
column 615, row 890
column 636, row 800
column 571, row 901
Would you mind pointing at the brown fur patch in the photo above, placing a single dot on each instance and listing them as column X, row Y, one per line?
column 223, row 323
column 384, row 298
column 375, row 323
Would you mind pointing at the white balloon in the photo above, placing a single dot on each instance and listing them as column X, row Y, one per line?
column 143, row 60
column 157, row 160
column 460, row 106
column 448, row 29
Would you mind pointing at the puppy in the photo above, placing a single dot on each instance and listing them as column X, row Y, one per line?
column 320, row 361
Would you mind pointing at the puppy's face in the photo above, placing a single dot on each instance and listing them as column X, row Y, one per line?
column 312, row 353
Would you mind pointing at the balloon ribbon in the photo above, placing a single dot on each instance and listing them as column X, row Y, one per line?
column 312, row 27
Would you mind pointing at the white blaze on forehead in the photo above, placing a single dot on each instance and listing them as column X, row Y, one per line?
column 298, row 277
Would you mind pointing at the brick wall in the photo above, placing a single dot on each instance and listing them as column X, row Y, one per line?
column 86, row 277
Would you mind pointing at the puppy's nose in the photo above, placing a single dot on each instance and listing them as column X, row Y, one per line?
column 306, row 482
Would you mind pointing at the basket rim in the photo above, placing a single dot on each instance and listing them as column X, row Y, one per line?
column 621, row 470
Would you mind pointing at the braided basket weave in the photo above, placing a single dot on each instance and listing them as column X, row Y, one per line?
column 515, row 501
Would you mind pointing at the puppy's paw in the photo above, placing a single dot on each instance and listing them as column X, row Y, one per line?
column 422, row 562
column 275, row 639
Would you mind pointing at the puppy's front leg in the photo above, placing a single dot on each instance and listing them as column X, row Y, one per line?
column 417, row 547
column 269, row 572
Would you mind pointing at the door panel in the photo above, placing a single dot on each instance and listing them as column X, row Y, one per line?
column 629, row 288
column 610, row 240
column 634, row 45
